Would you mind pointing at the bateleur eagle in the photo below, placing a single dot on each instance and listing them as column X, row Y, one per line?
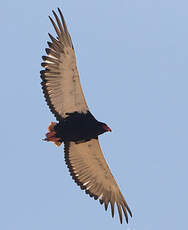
column 77, row 128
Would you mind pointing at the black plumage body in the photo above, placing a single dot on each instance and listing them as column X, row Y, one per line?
column 79, row 127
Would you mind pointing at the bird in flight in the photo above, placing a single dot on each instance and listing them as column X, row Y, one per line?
column 77, row 128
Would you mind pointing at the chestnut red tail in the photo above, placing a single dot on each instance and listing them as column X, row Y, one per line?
column 51, row 135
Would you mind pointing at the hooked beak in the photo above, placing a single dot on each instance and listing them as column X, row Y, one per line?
column 108, row 129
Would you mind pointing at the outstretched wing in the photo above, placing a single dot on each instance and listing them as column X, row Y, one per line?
column 60, row 79
column 90, row 171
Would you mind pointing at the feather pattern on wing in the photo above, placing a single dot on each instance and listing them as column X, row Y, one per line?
column 90, row 171
column 60, row 79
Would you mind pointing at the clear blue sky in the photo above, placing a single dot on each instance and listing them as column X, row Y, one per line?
column 133, row 63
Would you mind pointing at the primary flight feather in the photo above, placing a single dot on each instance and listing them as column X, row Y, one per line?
column 77, row 128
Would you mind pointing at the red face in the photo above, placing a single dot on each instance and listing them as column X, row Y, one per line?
column 106, row 128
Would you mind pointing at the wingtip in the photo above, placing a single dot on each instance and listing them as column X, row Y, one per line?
column 129, row 211
column 54, row 13
column 60, row 12
column 51, row 19
column 106, row 206
column 127, row 220
column 112, row 209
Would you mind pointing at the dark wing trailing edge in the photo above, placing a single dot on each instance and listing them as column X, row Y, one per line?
column 60, row 79
column 90, row 171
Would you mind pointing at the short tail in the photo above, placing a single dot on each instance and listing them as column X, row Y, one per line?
column 51, row 135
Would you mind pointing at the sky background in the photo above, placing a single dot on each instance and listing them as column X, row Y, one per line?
column 132, row 58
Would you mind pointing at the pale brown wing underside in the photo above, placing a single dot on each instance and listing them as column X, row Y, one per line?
column 90, row 171
column 60, row 79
